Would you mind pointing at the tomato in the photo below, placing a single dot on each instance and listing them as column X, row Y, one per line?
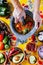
column 14, row 38
column 1, row 46
column 1, row 37
column 41, row 16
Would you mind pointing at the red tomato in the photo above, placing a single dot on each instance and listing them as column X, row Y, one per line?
column 1, row 46
column 14, row 38
column 1, row 37
column 41, row 16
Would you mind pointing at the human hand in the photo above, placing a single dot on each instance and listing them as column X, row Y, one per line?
column 18, row 13
column 37, row 19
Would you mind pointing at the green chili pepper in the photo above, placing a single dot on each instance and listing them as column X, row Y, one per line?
column 4, row 11
column 3, row 2
column 5, row 39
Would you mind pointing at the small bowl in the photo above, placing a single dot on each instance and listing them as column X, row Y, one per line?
column 21, row 37
column 40, row 52
column 29, row 59
column 5, row 24
column 5, row 58
column 37, row 33
column 20, row 51
column 5, row 31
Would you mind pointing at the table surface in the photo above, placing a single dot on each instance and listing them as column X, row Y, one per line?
column 22, row 46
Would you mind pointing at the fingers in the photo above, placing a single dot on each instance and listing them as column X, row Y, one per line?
column 36, row 25
column 18, row 14
column 38, row 20
column 16, row 20
column 22, row 14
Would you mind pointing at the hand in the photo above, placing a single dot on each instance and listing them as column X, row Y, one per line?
column 37, row 19
column 18, row 13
